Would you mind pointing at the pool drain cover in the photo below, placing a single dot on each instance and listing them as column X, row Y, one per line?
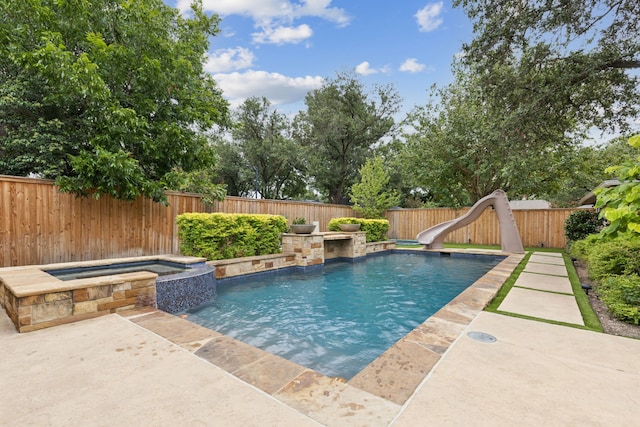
column 481, row 336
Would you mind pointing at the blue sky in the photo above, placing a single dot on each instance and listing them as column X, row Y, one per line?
column 281, row 49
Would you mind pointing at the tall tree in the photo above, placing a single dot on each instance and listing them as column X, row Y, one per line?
column 462, row 146
column 263, row 136
column 232, row 170
column 573, row 57
column 107, row 96
column 341, row 126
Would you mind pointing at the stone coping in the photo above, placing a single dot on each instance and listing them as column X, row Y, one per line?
column 392, row 378
column 340, row 235
column 24, row 281
column 180, row 259
column 246, row 259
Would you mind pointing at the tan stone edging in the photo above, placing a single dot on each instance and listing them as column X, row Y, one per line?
column 396, row 373
column 392, row 377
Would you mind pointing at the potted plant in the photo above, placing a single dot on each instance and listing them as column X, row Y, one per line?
column 300, row 226
column 344, row 224
column 349, row 227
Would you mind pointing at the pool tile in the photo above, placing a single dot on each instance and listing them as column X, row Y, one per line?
column 230, row 354
column 436, row 334
column 270, row 373
column 173, row 328
column 396, row 373
column 332, row 402
column 445, row 314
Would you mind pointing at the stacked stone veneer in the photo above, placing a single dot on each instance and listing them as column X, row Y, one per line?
column 35, row 300
column 254, row 264
column 302, row 250
column 308, row 249
column 345, row 245
column 375, row 247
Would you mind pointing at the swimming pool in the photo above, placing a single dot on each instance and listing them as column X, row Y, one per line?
column 339, row 318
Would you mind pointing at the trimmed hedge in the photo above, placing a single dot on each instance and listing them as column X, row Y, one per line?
column 376, row 229
column 581, row 223
column 223, row 236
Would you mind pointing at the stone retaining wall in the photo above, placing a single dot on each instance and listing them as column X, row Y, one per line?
column 31, row 309
column 239, row 266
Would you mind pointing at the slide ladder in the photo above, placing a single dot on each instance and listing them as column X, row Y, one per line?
column 433, row 237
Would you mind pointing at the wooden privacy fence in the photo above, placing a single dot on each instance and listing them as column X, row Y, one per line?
column 39, row 225
column 537, row 227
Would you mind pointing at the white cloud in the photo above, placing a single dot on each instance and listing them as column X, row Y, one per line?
column 365, row 69
column 279, row 89
column 282, row 35
column 429, row 17
column 229, row 60
column 411, row 65
column 266, row 11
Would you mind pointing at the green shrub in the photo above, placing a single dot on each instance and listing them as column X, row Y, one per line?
column 621, row 294
column 581, row 248
column 581, row 223
column 376, row 229
column 620, row 204
column 224, row 236
column 614, row 257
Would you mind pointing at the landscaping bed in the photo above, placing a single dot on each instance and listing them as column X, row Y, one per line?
column 610, row 324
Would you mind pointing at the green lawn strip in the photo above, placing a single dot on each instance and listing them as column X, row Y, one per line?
column 589, row 316
column 507, row 285
column 537, row 319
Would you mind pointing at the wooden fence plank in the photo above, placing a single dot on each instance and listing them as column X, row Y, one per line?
column 39, row 225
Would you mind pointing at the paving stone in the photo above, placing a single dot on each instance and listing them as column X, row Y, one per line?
column 544, row 282
column 543, row 305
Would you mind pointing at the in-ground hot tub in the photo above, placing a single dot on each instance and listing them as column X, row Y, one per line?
column 35, row 298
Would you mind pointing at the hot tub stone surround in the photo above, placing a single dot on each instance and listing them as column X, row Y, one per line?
column 34, row 299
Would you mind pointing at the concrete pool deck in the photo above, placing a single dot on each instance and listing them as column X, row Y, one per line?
column 114, row 371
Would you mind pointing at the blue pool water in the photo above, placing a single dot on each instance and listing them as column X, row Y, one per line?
column 338, row 319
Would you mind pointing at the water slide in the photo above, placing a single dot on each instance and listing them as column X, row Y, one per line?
column 433, row 237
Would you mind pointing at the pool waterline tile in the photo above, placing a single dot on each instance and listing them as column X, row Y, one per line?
column 408, row 361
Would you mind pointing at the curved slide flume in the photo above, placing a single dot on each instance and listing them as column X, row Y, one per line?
column 433, row 237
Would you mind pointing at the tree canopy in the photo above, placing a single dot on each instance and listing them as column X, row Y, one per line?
column 263, row 136
column 571, row 57
column 343, row 123
column 107, row 96
column 461, row 147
